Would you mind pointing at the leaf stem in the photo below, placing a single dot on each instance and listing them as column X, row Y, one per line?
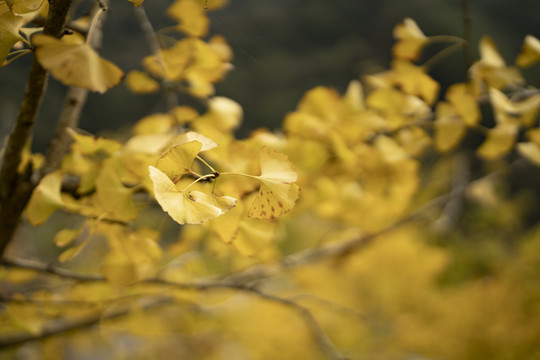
column 205, row 163
column 442, row 54
column 208, row 176
column 240, row 174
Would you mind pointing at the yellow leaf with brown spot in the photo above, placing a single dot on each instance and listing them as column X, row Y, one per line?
column 278, row 191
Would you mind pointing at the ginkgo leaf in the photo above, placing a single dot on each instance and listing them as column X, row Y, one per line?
column 140, row 83
column 510, row 112
column 191, row 17
column 411, row 40
column 531, row 151
column 278, row 191
column 26, row 6
column 66, row 236
column 136, row 2
column 184, row 114
column 449, row 128
column 158, row 123
column 10, row 25
column 177, row 161
column 45, row 199
column 207, row 143
column 76, row 64
column 530, row 52
column 184, row 207
column 88, row 144
column 464, row 103
column 115, row 198
column 148, row 143
column 499, row 141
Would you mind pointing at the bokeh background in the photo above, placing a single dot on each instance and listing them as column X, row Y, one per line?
column 282, row 49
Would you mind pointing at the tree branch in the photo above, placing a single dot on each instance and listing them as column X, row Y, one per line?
column 16, row 188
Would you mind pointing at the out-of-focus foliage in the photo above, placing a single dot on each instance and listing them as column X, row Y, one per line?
column 375, row 224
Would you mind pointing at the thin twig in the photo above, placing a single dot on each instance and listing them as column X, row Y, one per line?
column 153, row 42
column 313, row 255
column 62, row 327
column 466, row 33
column 71, row 110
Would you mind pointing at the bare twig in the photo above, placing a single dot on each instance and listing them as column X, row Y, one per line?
column 155, row 48
column 466, row 33
column 65, row 326
column 312, row 255
column 461, row 175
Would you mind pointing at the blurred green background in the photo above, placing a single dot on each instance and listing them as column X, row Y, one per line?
column 282, row 49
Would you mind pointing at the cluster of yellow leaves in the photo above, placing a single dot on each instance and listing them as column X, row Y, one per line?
column 190, row 62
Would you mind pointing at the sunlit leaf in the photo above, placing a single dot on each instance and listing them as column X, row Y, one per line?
column 27, row 6
column 66, row 236
column 76, row 65
column 177, row 161
column 10, row 25
column 191, row 207
column 158, row 123
column 449, row 128
column 278, row 191
column 45, row 199
column 115, row 198
column 531, row 151
column 139, row 82
column 461, row 97
column 530, row 52
column 499, row 141
column 411, row 40
column 191, row 17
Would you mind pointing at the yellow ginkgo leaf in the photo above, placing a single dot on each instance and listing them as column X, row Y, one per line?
column 460, row 95
column 140, row 83
column 26, row 6
column 499, row 141
column 531, row 151
column 184, row 114
column 207, row 143
column 136, row 2
column 177, row 161
column 76, row 64
column 449, row 128
column 115, row 198
column 191, row 17
column 158, row 123
column 10, row 25
column 414, row 80
column 411, row 40
column 184, row 207
column 510, row 112
column 278, row 191
column 45, row 199
column 66, row 236
column 88, row 144
column 530, row 52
